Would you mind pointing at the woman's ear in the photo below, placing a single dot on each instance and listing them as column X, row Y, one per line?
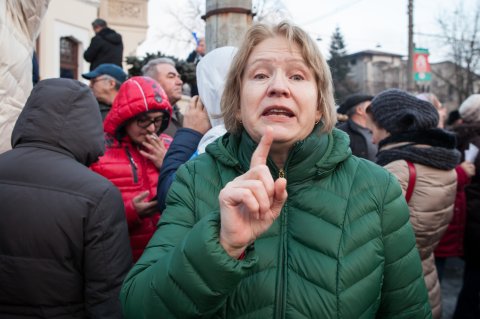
column 318, row 115
column 238, row 115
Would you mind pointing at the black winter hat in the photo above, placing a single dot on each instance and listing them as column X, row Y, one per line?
column 398, row 111
column 353, row 100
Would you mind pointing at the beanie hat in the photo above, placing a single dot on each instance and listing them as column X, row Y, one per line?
column 470, row 109
column 352, row 101
column 398, row 111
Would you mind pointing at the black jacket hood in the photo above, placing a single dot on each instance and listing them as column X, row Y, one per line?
column 62, row 115
column 110, row 35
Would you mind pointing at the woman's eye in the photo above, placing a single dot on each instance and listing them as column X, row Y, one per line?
column 260, row 76
column 297, row 77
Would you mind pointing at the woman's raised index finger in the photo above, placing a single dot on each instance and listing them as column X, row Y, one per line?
column 259, row 157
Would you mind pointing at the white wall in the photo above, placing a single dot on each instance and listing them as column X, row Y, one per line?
column 65, row 18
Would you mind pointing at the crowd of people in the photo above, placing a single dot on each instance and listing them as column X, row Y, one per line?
column 254, row 202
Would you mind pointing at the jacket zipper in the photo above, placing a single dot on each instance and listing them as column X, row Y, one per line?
column 133, row 165
column 282, row 274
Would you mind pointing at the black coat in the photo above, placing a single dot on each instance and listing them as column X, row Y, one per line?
column 466, row 134
column 64, row 247
column 106, row 47
column 358, row 143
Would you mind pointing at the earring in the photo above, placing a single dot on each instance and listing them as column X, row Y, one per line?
column 317, row 122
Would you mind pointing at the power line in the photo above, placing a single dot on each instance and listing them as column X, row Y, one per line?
column 445, row 37
column 335, row 11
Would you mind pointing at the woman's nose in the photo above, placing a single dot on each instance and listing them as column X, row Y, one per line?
column 151, row 128
column 278, row 86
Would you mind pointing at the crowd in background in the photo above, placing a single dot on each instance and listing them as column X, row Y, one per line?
column 256, row 200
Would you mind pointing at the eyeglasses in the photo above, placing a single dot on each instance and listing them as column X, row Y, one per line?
column 145, row 122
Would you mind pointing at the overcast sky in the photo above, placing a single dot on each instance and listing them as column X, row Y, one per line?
column 365, row 24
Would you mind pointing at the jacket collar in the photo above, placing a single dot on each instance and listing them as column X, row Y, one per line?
column 315, row 157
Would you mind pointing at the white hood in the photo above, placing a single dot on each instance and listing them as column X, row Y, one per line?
column 211, row 76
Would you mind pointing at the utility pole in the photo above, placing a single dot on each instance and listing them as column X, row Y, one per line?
column 410, row 47
column 226, row 22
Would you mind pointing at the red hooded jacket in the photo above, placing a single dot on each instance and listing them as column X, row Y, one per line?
column 123, row 164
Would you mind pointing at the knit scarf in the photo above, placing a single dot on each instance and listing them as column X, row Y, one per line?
column 440, row 153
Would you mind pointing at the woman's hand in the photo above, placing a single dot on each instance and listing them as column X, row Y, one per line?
column 142, row 207
column 155, row 150
column 469, row 168
column 251, row 202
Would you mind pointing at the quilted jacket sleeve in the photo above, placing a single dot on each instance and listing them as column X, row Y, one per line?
column 181, row 150
column 27, row 16
column 403, row 276
column 107, row 256
column 184, row 272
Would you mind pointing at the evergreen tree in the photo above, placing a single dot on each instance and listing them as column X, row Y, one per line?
column 339, row 66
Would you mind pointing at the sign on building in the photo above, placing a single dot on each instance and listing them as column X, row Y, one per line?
column 421, row 66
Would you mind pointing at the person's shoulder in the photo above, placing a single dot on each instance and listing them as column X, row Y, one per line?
column 202, row 162
column 191, row 56
column 342, row 126
column 91, row 177
column 366, row 171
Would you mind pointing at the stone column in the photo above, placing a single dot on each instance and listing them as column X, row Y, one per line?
column 226, row 22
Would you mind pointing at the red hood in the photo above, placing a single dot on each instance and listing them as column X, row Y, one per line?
column 137, row 95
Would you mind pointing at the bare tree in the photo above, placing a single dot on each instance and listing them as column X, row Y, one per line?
column 187, row 19
column 270, row 11
column 461, row 32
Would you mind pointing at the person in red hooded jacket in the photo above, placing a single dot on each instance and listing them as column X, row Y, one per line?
column 134, row 153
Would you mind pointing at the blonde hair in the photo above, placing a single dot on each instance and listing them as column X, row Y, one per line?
column 230, row 103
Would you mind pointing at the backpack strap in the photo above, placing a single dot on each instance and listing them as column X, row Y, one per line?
column 411, row 180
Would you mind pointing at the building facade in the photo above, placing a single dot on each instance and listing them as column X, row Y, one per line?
column 66, row 32
column 374, row 71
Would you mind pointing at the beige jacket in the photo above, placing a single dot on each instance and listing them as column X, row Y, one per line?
column 431, row 209
column 19, row 26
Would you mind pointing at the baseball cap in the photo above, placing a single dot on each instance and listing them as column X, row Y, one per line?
column 110, row 69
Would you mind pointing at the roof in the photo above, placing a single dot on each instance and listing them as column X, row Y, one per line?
column 373, row 52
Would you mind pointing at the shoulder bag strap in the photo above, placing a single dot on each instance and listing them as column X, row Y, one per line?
column 411, row 180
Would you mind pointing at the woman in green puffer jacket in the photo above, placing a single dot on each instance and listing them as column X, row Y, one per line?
column 277, row 219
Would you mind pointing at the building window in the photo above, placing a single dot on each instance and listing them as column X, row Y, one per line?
column 68, row 58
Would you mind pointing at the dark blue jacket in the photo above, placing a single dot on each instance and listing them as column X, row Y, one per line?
column 184, row 145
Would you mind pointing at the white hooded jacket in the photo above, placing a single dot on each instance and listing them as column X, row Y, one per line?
column 19, row 26
column 211, row 75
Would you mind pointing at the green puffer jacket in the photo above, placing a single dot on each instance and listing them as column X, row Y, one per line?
column 342, row 247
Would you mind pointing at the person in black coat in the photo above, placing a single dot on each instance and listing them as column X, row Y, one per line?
column 106, row 46
column 354, row 107
column 196, row 55
column 468, row 137
column 64, row 248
